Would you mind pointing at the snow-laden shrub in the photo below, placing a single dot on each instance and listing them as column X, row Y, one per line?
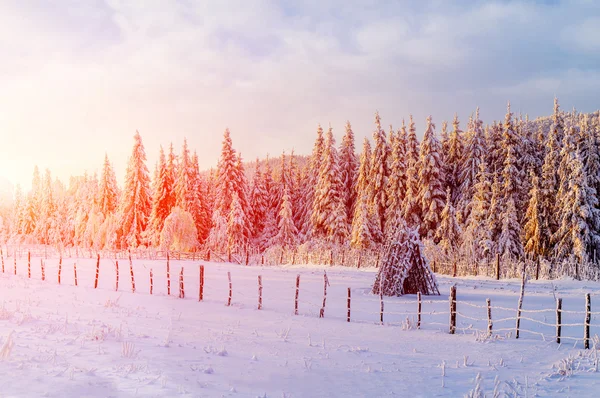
column 179, row 232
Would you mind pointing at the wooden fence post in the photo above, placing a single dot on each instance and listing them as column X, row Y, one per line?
column 537, row 269
column 43, row 268
column 586, row 326
column 452, row 309
column 419, row 310
column 201, row 286
column 520, row 303
column 359, row 258
column 489, row 314
column 2, row 255
column 381, row 306
column 247, row 257
column 131, row 272
column 229, row 254
column 558, row 318
column 151, row 281
column 434, row 267
column 297, row 294
column 454, row 270
column 260, row 287
column 325, row 283
column 262, row 259
column 230, row 288
column 294, row 257
column 498, row 266
column 330, row 258
column 75, row 272
column 208, row 255
column 168, row 275
column 97, row 272
column 377, row 261
column 181, row 286
column 29, row 264
column 117, row 275
column 59, row 269
column 281, row 257
column 349, row 298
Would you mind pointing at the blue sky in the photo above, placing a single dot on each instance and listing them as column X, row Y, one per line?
column 78, row 78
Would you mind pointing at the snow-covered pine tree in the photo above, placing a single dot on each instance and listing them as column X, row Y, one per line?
column 473, row 157
column 379, row 176
column 509, row 242
column 348, row 171
column 271, row 227
column 108, row 189
column 288, row 234
column 536, row 237
column 412, row 145
column 326, row 211
column 311, row 182
column 184, row 180
column 578, row 235
column 162, row 185
column 449, row 232
column 362, row 222
column 258, row 205
column 412, row 211
column 198, row 205
column 452, row 161
column 512, row 172
column 236, row 226
column 431, row 193
column 494, row 154
column 477, row 238
column 497, row 208
column 137, row 201
column 397, row 181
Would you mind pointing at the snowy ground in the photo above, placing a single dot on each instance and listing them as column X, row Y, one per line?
column 81, row 342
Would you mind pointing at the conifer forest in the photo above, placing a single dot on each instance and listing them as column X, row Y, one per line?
column 516, row 189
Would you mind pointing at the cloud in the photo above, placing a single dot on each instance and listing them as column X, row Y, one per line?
column 79, row 78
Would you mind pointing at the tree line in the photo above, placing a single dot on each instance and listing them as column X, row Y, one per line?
column 517, row 188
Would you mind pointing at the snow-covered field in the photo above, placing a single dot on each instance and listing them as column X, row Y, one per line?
column 60, row 341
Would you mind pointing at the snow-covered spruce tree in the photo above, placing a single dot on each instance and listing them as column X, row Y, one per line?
column 512, row 172
column 271, row 227
column 431, row 193
column 449, row 232
column 288, row 234
column 397, row 181
column 578, row 235
column 162, row 186
column 592, row 157
column 311, row 182
column 412, row 145
column 363, row 225
column 179, row 231
column 496, row 210
column 184, row 189
column 45, row 218
column 494, row 154
column 535, row 236
column 137, row 201
column 295, row 187
column 509, row 242
column 348, row 171
column 17, row 209
column 236, row 225
column 452, row 161
column 477, row 237
column 198, row 205
column 258, row 205
column 327, row 211
column 379, row 176
column 444, row 140
column 230, row 181
column 108, row 190
column 473, row 156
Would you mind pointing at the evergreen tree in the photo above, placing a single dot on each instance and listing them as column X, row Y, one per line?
column 236, row 225
column 431, row 194
column 311, row 182
column 412, row 146
column 379, row 176
column 363, row 225
column 137, row 201
column 327, row 210
column 288, row 234
column 108, row 189
column 197, row 204
column 258, row 204
column 348, row 171
column 160, row 200
column 397, row 181
column 578, row 235
column 449, row 232
column 473, row 157
column 535, row 237
column 477, row 235
column 453, row 161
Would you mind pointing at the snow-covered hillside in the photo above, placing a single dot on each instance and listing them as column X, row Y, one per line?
column 59, row 341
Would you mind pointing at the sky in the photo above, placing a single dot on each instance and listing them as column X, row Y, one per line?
column 78, row 78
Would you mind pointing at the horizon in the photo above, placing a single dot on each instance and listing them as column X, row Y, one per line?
column 79, row 80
